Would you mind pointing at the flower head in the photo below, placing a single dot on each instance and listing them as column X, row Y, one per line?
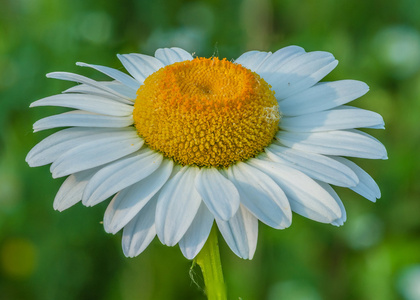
column 185, row 141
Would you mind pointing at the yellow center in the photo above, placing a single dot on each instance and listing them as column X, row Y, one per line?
column 206, row 112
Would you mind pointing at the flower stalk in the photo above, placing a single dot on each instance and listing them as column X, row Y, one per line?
column 209, row 261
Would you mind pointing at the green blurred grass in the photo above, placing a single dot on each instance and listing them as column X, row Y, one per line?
column 47, row 255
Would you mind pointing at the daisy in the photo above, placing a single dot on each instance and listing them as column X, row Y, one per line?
column 185, row 142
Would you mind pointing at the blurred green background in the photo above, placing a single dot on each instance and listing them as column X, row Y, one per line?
column 47, row 255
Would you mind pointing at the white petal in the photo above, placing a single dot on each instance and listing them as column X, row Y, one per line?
column 340, row 221
column 140, row 66
column 114, row 85
column 367, row 187
column 343, row 117
column 113, row 73
column 219, row 194
column 261, row 195
column 121, row 174
column 172, row 55
column 91, row 103
column 314, row 165
column 90, row 90
column 278, row 59
column 306, row 197
column 82, row 79
column 323, row 96
column 252, row 59
column 140, row 231
column 240, row 233
column 127, row 203
column 122, row 89
column 196, row 236
column 50, row 148
column 71, row 190
column 352, row 143
column 177, row 206
column 82, row 118
column 96, row 152
column 300, row 73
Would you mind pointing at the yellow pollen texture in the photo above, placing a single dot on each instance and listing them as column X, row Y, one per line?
column 206, row 112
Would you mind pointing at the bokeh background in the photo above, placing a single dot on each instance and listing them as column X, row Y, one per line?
column 48, row 255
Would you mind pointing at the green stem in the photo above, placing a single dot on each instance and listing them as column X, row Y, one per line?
column 209, row 261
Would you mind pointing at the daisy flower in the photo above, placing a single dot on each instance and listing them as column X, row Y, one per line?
column 184, row 142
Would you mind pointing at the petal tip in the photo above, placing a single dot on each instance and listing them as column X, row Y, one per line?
column 28, row 159
column 50, row 75
column 56, row 175
column 128, row 252
column 110, row 227
column 86, row 201
column 59, row 207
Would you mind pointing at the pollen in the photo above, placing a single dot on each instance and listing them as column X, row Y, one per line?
column 206, row 112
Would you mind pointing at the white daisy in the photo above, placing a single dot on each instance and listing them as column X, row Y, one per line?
column 185, row 141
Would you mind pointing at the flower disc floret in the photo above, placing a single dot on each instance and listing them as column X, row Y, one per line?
column 206, row 112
